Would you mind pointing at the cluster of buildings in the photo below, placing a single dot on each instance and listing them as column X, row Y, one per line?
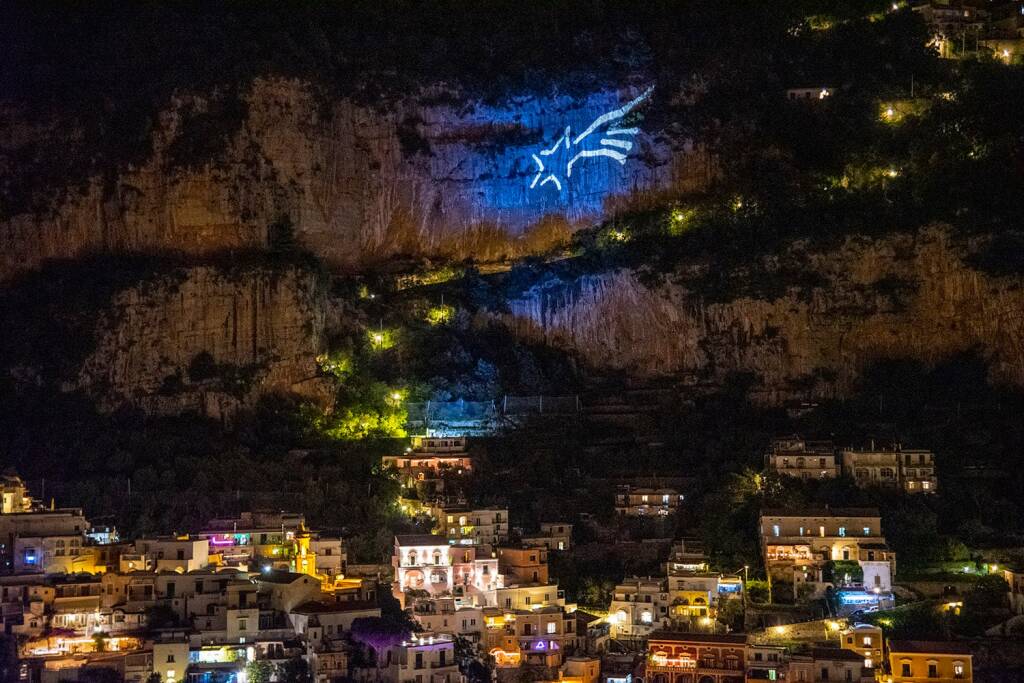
column 852, row 654
column 262, row 589
column 814, row 552
column 258, row 589
column 911, row 470
column 477, row 578
column 686, row 597
column 969, row 28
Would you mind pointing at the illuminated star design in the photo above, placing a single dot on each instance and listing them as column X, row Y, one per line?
column 611, row 142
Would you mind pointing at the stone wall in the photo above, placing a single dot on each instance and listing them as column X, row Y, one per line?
column 906, row 296
column 432, row 173
column 206, row 341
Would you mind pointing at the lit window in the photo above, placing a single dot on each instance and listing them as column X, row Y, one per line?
column 868, row 663
column 643, row 498
column 551, row 627
column 664, row 499
column 821, row 531
column 801, row 531
column 646, row 617
column 842, row 531
column 958, row 669
column 867, row 531
column 775, row 529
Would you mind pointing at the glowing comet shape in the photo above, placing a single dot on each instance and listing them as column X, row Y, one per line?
column 607, row 146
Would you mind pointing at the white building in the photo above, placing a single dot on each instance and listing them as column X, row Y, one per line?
column 174, row 553
column 425, row 658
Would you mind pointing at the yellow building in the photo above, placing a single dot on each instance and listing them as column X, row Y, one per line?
column 866, row 640
column 919, row 661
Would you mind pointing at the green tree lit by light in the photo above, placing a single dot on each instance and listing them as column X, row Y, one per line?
column 681, row 220
column 439, row 315
column 338, row 364
column 381, row 339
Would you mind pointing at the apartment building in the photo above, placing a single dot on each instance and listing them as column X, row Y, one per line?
column 552, row 535
column 720, row 658
column 796, row 457
column 426, row 562
column 424, row 465
column 467, row 526
column 174, row 553
column 912, row 661
column 32, row 540
column 425, row 658
column 633, row 501
column 867, row 641
column 911, row 470
column 523, row 565
column 639, row 607
column 803, row 547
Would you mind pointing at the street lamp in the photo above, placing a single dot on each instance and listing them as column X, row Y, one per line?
column 746, row 577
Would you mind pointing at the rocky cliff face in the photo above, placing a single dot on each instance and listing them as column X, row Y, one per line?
column 907, row 296
column 193, row 339
column 431, row 173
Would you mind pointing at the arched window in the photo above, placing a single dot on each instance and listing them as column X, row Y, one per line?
column 412, row 557
column 437, row 557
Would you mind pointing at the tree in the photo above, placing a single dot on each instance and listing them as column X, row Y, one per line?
column 471, row 664
column 989, row 591
column 757, row 591
column 294, row 670
column 258, row 671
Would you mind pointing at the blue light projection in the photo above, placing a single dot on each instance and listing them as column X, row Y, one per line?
column 567, row 150
column 510, row 165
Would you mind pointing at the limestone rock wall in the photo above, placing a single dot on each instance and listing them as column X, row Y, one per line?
column 908, row 296
column 206, row 341
column 431, row 173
